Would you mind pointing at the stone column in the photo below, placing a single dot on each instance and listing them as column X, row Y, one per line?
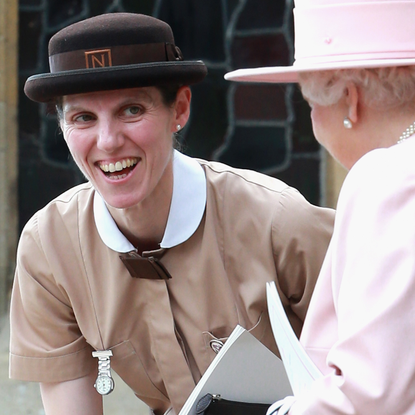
column 8, row 145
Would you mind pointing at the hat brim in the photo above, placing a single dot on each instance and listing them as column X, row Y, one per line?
column 289, row 74
column 48, row 86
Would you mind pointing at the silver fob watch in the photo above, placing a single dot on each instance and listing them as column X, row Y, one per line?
column 104, row 383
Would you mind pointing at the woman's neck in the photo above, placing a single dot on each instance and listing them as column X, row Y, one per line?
column 378, row 129
column 144, row 224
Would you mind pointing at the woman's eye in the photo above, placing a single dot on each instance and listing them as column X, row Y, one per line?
column 83, row 118
column 133, row 110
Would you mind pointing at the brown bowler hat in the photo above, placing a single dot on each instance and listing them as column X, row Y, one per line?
column 112, row 51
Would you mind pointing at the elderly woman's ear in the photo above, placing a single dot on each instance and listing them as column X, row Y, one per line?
column 182, row 107
column 352, row 102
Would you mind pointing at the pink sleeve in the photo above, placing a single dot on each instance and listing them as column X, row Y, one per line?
column 372, row 279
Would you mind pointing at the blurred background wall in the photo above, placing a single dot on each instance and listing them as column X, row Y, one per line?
column 8, row 146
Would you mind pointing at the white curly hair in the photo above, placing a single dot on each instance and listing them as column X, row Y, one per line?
column 382, row 88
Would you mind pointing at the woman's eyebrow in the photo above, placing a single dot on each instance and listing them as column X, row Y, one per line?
column 135, row 97
column 72, row 107
column 141, row 96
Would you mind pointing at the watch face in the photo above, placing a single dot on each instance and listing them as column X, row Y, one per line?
column 104, row 385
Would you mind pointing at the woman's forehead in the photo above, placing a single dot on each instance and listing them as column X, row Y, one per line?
column 146, row 94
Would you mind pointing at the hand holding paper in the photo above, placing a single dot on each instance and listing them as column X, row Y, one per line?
column 244, row 370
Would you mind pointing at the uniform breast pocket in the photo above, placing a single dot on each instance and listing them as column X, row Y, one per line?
column 146, row 381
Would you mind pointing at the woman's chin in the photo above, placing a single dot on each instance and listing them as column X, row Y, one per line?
column 120, row 204
column 119, row 201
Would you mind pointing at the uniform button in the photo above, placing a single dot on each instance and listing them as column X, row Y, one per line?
column 216, row 345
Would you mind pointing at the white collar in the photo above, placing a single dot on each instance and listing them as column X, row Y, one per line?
column 186, row 210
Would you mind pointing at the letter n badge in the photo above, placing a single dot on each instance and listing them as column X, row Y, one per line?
column 98, row 58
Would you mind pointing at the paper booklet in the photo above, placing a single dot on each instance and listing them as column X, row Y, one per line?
column 243, row 370
column 301, row 370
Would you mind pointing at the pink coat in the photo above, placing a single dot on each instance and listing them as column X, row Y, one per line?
column 360, row 327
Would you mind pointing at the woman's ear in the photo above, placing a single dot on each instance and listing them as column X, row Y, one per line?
column 352, row 102
column 182, row 106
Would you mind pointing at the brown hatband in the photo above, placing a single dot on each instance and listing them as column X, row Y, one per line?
column 114, row 56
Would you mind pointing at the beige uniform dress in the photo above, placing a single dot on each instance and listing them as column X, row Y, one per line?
column 229, row 231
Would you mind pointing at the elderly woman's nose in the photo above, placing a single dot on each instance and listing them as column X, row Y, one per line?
column 109, row 138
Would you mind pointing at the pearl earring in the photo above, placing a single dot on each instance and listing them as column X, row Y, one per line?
column 178, row 127
column 347, row 123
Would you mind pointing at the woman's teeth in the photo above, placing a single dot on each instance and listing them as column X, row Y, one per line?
column 119, row 165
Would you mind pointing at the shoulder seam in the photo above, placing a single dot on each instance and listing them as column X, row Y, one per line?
column 59, row 199
column 234, row 171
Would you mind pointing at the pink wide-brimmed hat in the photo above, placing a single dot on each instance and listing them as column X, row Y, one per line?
column 341, row 34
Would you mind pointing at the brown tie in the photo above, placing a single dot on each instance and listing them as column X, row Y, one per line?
column 146, row 266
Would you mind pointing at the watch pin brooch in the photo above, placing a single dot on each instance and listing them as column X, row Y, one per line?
column 104, row 384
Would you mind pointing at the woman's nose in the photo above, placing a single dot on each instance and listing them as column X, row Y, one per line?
column 109, row 137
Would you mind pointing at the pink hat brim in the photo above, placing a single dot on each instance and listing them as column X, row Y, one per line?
column 289, row 74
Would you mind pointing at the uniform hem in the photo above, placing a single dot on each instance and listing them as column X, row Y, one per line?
column 51, row 369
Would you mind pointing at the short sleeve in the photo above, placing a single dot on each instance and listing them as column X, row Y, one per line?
column 46, row 344
column 301, row 233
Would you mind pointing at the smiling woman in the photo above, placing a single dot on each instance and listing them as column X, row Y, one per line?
column 140, row 267
column 106, row 129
